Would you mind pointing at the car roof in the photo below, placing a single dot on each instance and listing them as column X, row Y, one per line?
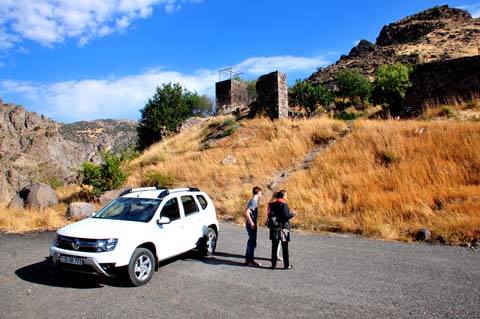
column 156, row 192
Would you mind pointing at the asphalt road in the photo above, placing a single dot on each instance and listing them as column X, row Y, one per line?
column 333, row 276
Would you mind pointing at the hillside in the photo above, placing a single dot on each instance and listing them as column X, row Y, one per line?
column 34, row 148
column 435, row 34
column 381, row 179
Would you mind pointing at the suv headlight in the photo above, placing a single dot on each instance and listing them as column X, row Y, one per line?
column 106, row 244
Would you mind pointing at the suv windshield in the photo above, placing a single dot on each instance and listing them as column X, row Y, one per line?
column 127, row 208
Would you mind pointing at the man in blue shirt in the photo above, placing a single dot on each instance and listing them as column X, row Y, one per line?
column 251, row 216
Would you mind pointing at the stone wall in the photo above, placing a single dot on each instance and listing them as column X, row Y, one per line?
column 440, row 81
column 230, row 97
column 272, row 97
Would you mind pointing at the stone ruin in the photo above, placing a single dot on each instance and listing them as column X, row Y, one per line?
column 272, row 97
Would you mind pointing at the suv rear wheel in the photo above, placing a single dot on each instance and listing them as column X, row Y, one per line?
column 141, row 267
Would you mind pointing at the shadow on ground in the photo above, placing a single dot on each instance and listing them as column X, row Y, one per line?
column 44, row 273
column 222, row 258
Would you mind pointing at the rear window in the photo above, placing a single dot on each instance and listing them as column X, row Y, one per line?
column 189, row 205
column 203, row 202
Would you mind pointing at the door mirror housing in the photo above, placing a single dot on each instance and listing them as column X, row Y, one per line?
column 163, row 220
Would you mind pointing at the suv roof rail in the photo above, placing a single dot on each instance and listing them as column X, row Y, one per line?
column 185, row 189
column 140, row 189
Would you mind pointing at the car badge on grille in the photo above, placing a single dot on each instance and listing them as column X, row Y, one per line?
column 75, row 244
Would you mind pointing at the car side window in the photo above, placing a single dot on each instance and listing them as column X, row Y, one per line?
column 189, row 205
column 171, row 210
column 203, row 202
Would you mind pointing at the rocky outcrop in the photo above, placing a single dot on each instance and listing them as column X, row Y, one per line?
column 37, row 195
column 34, row 148
column 417, row 27
column 439, row 33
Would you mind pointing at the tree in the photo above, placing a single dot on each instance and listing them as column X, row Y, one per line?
column 389, row 87
column 202, row 106
column 309, row 96
column 353, row 86
column 169, row 106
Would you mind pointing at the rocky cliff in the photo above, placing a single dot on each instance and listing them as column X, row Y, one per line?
column 34, row 148
column 439, row 33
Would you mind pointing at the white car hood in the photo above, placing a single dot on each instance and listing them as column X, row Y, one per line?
column 96, row 228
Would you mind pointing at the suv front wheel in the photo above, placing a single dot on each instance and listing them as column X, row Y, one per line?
column 141, row 267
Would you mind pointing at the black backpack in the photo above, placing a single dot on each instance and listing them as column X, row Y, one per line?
column 273, row 221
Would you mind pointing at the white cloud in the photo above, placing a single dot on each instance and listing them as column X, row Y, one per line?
column 50, row 22
column 474, row 9
column 123, row 97
column 109, row 98
column 285, row 64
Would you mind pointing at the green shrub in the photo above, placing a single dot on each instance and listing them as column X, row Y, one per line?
column 446, row 111
column 390, row 85
column 55, row 182
column 229, row 122
column 309, row 96
column 346, row 116
column 155, row 178
column 352, row 85
column 104, row 177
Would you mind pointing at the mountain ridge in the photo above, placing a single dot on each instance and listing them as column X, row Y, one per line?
column 34, row 148
column 436, row 34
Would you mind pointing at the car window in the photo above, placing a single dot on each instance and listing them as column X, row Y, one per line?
column 189, row 205
column 203, row 202
column 171, row 210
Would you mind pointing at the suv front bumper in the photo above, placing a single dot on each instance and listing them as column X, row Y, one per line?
column 89, row 265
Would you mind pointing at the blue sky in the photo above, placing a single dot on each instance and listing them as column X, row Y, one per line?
column 74, row 60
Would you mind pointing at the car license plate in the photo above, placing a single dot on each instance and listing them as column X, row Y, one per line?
column 71, row 260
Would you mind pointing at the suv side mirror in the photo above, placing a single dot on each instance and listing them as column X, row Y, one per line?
column 163, row 220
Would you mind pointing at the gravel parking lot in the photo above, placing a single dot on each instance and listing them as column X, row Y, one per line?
column 333, row 276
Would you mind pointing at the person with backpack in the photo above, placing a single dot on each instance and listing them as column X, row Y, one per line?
column 281, row 233
column 269, row 223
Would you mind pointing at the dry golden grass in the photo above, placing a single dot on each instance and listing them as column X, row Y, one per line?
column 386, row 180
column 456, row 107
column 52, row 218
column 260, row 148
column 20, row 221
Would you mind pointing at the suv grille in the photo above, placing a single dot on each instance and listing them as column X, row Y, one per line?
column 77, row 244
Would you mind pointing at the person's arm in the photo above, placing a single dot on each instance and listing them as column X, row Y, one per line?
column 287, row 214
column 248, row 217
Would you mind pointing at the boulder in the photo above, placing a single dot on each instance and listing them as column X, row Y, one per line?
column 80, row 210
column 229, row 160
column 39, row 195
column 16, row 203
column 108, row 196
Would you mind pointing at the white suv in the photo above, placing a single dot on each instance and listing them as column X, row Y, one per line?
column 137, row 230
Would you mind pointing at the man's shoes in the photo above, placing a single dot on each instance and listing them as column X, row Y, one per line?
column 289, row 267
column 252, row 263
